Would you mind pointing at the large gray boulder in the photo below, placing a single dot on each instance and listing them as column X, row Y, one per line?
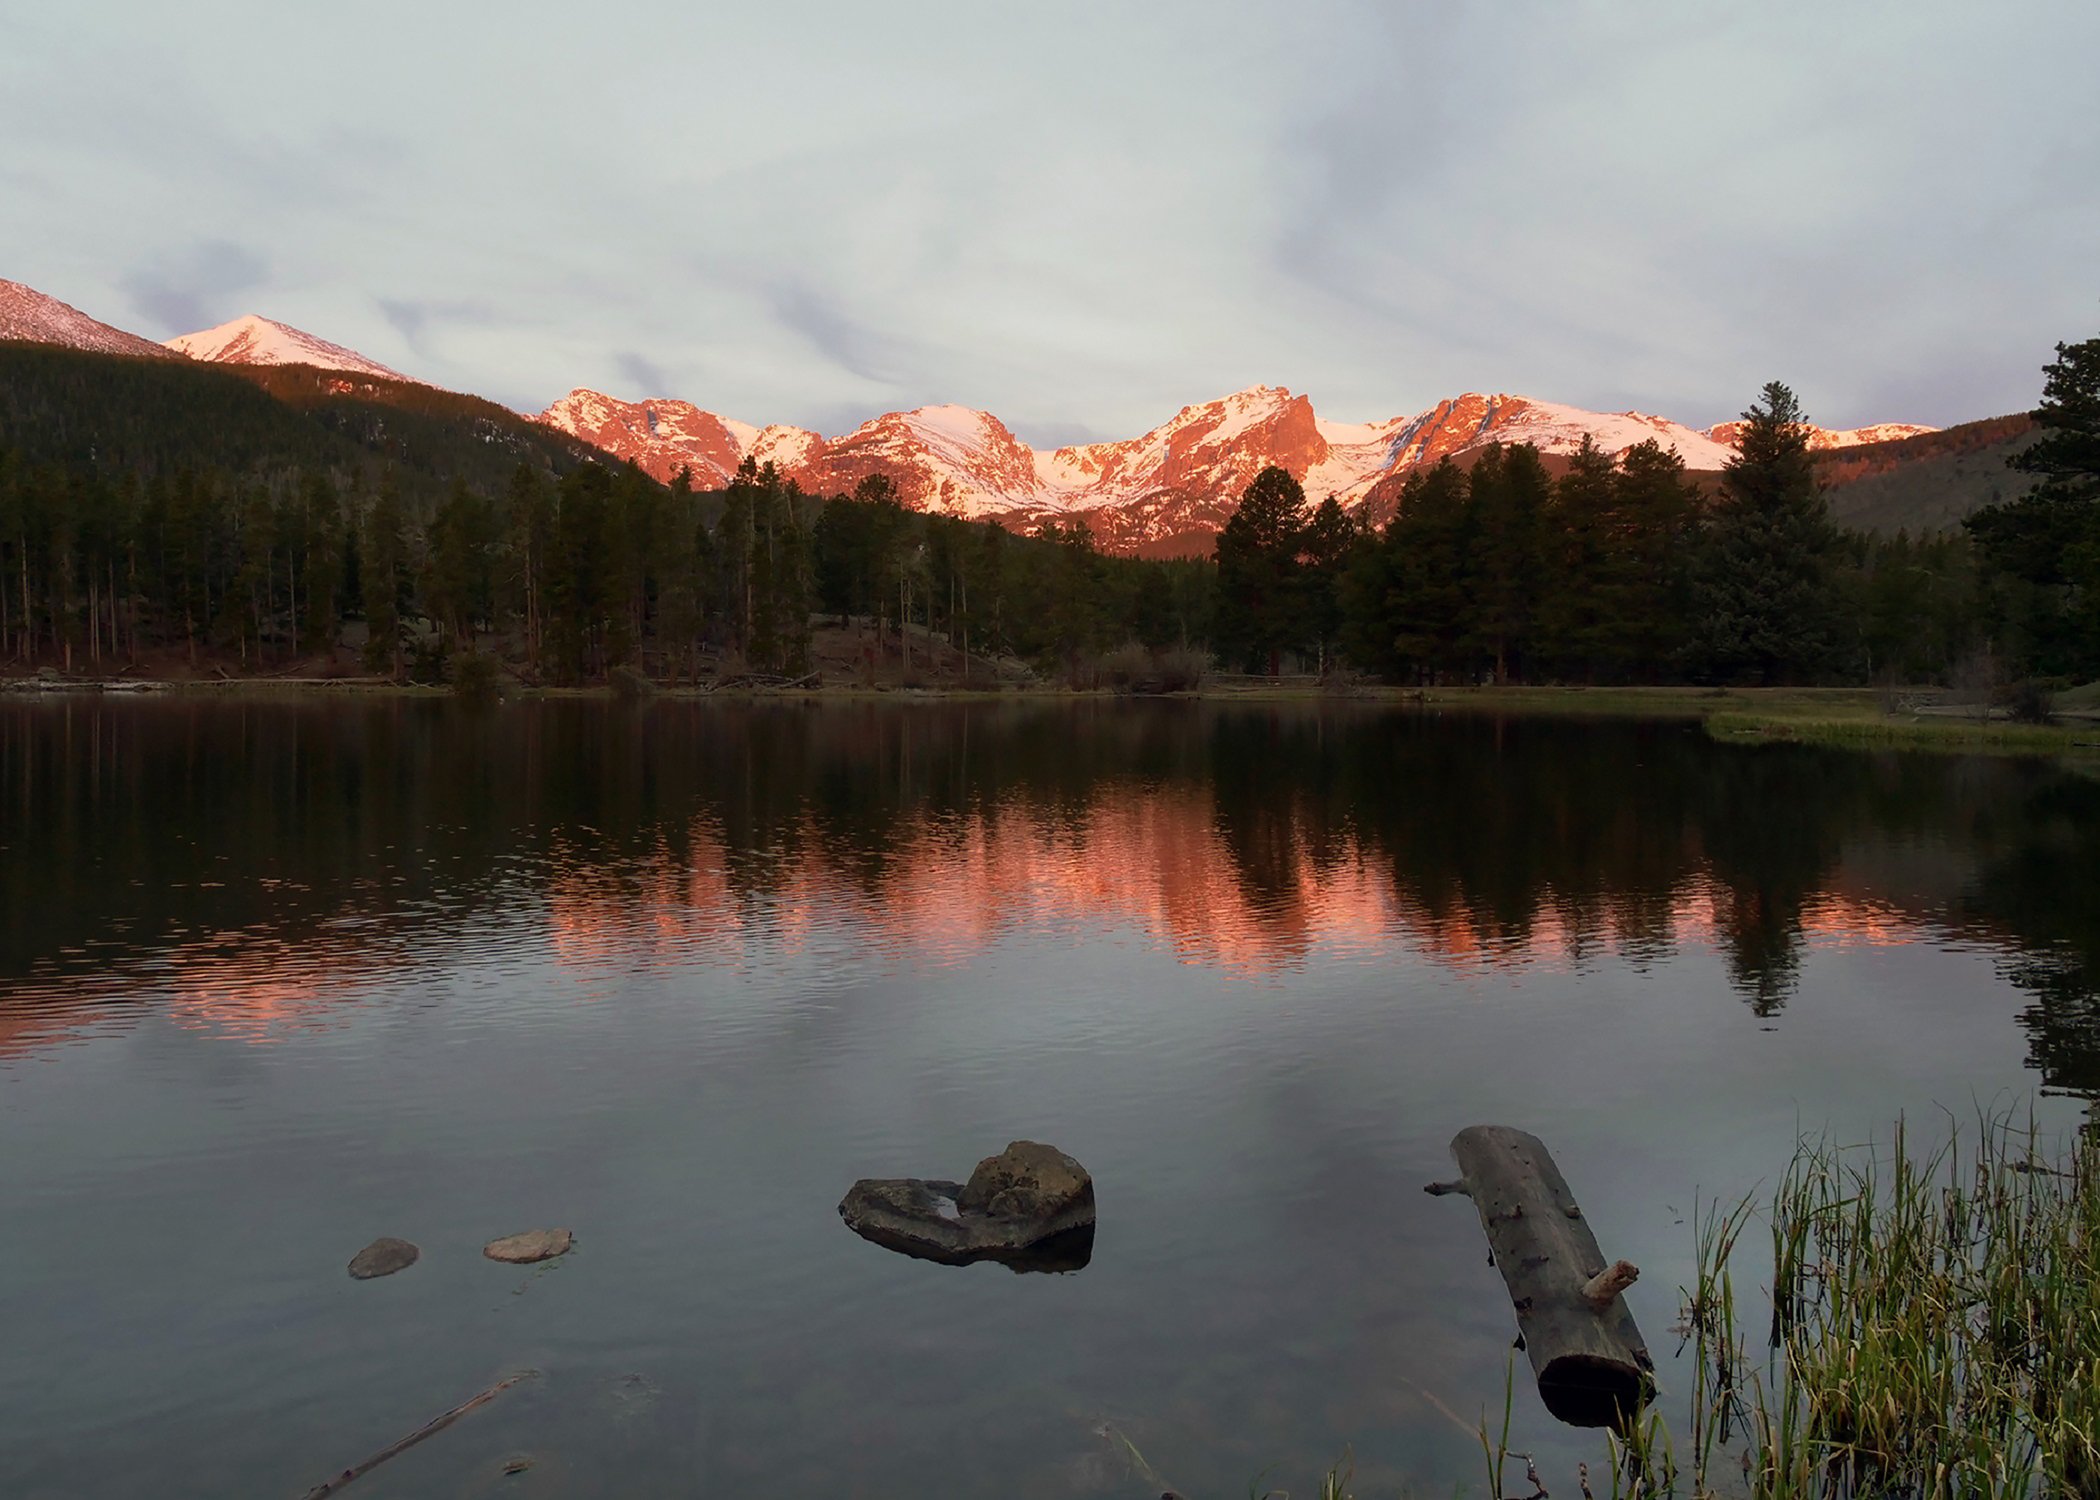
column 1031, row 1208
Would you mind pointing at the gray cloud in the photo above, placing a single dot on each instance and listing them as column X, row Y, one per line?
column 647, row 378
column 408, row 318
column 415, row 318
column 839, row 336
column 1894, row 206
column 192, row 289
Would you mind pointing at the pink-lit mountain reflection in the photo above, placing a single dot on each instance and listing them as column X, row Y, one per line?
column 255, row 870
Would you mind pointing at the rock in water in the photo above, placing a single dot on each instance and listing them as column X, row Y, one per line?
column 383, row 1257
column 533, row 1244
column 1031, row 1208
column 1028, row 1181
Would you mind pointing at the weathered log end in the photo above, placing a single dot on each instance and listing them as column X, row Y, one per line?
column 1584, row 1390
column 1592, row 1366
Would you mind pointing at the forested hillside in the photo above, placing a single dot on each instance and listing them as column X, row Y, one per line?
column 1932, row 482
column 112, row 415
column 172, row 518
column 181, row 516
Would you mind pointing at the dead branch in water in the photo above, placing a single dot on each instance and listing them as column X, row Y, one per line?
column 436, row 1424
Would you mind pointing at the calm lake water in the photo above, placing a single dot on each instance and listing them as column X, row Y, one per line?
column 277, row 977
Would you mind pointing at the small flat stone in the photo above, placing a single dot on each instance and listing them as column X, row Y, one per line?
column 533, row 1244
column 383, row 1257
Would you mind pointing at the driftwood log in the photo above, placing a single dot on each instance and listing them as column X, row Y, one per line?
column 1592, row 1366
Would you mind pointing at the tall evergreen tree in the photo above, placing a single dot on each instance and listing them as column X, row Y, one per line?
column 1577, row 619
column 1327, row 547
column 1508, row 492
column 460, row 576
column 1766, row 600
column 1411, row 603
column 1655, row 506
column 2041, row 552
column 1260, row 602
column 384, row 574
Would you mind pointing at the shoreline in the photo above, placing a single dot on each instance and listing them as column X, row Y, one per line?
column 1845, row 718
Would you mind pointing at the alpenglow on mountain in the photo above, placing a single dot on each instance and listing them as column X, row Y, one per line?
column 254, row 340
column 1166, row 492
column 28, row 316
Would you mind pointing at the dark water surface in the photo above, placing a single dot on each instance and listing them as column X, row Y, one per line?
column 279, row 977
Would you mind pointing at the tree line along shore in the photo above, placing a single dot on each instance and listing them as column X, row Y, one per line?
column 124, row 556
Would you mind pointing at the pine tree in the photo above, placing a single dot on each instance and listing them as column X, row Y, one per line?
column 1411, row 603
column 1766, row 601
column 1508, row 492
column 1655, row 505
column 1574, row 617
column 2042, row 551
column 1259, row 599
column 384, row 574
column 1328, row 545
column 320, row 570
column 461, row 578
column 586, row 621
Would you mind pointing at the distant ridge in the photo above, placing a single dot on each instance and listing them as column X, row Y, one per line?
column 1166, row 492
column 29, row 316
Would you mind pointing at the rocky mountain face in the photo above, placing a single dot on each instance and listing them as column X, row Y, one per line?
column 28, row 316
column 1165, row 493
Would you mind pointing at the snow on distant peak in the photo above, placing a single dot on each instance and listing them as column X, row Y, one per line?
column 254, row 340
column 29, row 316
column 1731, row 433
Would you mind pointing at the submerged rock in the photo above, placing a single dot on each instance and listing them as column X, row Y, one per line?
column 1030, row 1208
column 383, row 1257
column 533, row 1244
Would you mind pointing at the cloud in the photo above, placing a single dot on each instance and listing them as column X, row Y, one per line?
column 841, row 338
column 1378, row 202
column 191, row 290
column 408, row 318
column 413, row 318
column 647, row 376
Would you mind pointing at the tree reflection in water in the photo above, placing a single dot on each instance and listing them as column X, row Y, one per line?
column 306, row 841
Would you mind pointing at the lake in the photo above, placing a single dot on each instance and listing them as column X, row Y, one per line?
column 278, row 976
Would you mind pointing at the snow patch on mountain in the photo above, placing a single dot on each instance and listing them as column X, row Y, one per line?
column 29, row 316
column 1463, row 423
column 253, row 340
column 1171, row 487
column 1730, row 433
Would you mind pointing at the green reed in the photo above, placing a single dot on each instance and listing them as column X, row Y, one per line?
column 1935, row 1330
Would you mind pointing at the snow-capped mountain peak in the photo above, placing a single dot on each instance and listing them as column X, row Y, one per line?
column 1169, row 489
column 254, row 340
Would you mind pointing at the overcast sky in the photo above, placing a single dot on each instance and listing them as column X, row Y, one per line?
column 1081, row 216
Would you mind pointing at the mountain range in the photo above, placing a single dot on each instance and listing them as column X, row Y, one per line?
column 1166, row 492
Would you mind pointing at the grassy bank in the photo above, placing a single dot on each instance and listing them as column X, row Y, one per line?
column 1849, row 718
column 1934, row 1331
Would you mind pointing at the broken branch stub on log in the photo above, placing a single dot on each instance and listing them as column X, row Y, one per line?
column 1592, row 1366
